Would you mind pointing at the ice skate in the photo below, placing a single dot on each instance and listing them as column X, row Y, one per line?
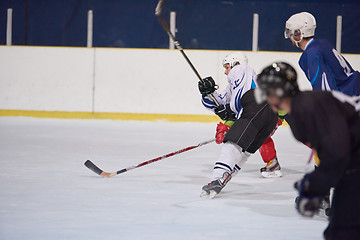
column 272, row 169
column 215, row 187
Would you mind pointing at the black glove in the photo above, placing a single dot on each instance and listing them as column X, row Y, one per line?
column 225, row 113
column 207, row 86
column 306, row 205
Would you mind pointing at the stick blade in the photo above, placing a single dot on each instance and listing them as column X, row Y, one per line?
column 90, row 165
column 159, row 7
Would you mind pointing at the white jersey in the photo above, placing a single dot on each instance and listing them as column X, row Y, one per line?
column 241, row 78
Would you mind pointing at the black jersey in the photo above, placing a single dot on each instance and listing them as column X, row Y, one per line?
column 333, row 129
column 330, row 123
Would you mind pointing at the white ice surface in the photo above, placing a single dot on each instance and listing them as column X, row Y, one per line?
column 47, row 193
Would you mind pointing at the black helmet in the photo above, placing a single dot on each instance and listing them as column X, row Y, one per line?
column 278, row 79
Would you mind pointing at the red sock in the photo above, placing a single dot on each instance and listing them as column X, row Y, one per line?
column 267, row 150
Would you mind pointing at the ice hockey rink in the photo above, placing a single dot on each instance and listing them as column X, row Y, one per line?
column 47, row 193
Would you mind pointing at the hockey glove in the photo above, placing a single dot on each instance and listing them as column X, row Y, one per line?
column 221, row 130
column 225, row 113
column 306, row 205
column 207, row 86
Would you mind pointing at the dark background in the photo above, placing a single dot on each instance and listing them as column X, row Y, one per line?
column 201, row 24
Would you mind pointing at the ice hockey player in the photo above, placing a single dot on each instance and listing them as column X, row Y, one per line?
column 330, row 123
column 241, row 78
column 247, row 124
column 324, row 67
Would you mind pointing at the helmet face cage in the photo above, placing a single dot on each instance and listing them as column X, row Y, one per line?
column 292, row 33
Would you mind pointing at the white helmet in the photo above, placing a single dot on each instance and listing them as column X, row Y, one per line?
column 234, row 58
column 301, row 24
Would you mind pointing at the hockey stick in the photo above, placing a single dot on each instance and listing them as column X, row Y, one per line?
column 89, row 164
column 311, row 156
column 164, row 25
column 308, row 166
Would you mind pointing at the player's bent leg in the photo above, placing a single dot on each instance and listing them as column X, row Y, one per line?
column 241, row 163
column 268, row 154
column 231, row 160
column 267, row 150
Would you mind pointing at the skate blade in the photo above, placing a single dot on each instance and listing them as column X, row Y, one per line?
column 274, row 174
column 206, row 195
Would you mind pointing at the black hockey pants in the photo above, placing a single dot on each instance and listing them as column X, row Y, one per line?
column 254, row 126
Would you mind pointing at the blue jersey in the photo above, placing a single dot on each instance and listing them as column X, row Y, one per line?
column 327, row 69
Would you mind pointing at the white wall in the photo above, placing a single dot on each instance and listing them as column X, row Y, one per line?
column 51, row 79
column 117, row 80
